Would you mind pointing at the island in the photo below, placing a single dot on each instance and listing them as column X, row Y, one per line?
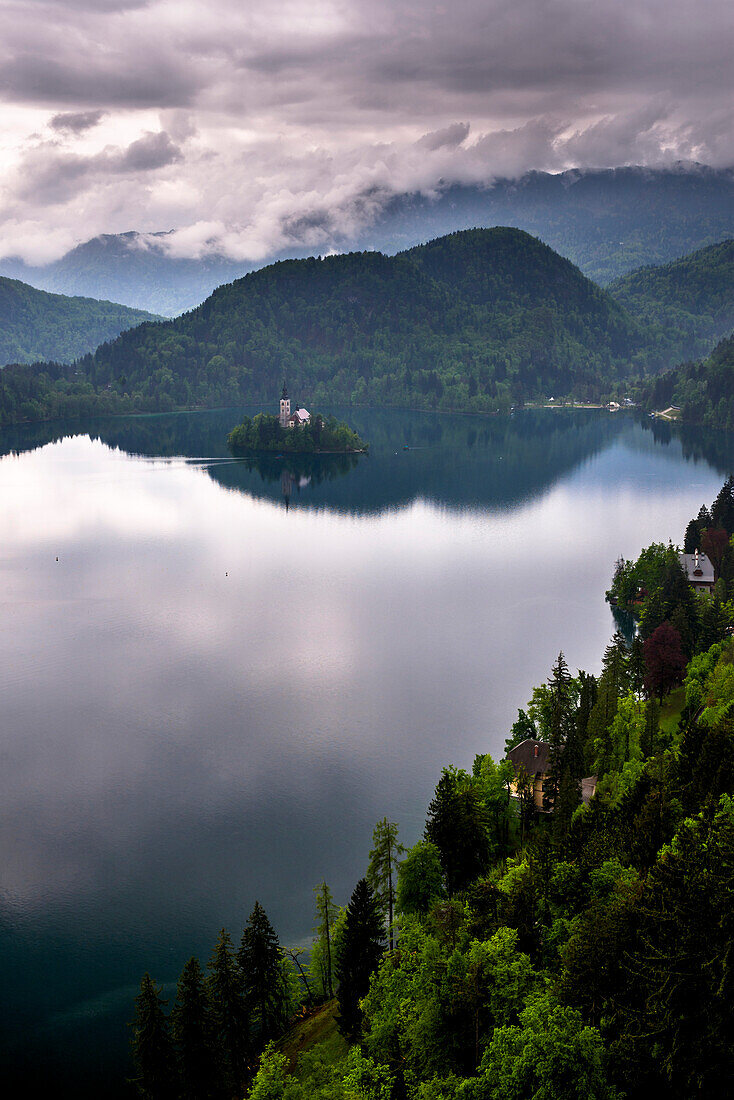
column 296, row 432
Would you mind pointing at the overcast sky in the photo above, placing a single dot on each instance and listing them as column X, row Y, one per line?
column 249, row 124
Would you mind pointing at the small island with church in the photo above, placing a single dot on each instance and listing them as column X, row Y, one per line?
column 296, row 432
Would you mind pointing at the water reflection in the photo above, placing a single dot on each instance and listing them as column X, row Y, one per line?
column 207, row 699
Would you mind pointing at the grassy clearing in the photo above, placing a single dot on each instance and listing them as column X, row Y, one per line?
column 317, row 1029
column 671, row 710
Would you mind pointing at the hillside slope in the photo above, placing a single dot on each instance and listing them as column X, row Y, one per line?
column 703, row 391
column 691, row 299
column 35, row 325
column 477, row 320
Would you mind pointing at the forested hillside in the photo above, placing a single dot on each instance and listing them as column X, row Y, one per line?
column 690, row 299
column 561, row 930
column 703, row 391
column 35, row 325
column 477, row 321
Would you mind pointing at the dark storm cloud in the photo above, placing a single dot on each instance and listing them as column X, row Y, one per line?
column 76, row 122
column 298, row 120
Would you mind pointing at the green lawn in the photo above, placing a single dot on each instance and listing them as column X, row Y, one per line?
column 671, row 709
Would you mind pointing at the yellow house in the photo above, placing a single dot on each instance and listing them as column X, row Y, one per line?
column 533, row 758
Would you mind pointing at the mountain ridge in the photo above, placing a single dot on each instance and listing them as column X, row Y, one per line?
column 607, row 221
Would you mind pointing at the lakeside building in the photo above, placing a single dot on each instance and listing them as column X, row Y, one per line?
column 533, row 758
column 699, row 570
column 290, row 419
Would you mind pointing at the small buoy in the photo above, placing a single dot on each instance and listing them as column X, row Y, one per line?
column 57, row 559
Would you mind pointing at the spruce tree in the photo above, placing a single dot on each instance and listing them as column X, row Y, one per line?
column 382, row 873
column 326, row 914
column 152, row 1048
column 225, row 990
column 359, row 955
column 457, row 825
column 260, row 960
column 192, row 1029
column 561, row 721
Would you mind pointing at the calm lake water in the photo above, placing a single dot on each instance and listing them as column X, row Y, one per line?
column 217, row 675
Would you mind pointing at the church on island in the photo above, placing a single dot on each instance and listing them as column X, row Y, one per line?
column 290, row 419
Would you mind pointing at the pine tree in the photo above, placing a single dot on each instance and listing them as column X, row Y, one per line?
column 561, row 721
column 382, row 873
column 260, row 958
column 637, row 666
column 457, row 825
column 152, row 1048
column 326, row 913
column 359, row 956
column 722, row 510
column 192, row 1029
column 225, row 990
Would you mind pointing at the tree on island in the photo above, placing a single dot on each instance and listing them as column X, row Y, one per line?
column 265, row 433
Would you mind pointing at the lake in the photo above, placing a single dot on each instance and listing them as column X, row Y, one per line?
column 218, row 675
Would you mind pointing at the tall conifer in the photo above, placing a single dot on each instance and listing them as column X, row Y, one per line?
column 359, row 955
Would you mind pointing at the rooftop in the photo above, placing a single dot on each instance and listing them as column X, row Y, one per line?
column 698, row 567
column 532, row 755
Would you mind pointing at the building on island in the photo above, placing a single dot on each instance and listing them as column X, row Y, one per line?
column 288, row 419
column 699, row 570
column 533, row 759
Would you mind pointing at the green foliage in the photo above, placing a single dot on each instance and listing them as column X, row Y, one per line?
column 550, row 1053
column 229, row 1013
column 35, row 325
column 475, row 321
column 382, row 873
column 420, row 879
column 689, row 301
column 457, row 826
column 263, row 433
column 702, row 390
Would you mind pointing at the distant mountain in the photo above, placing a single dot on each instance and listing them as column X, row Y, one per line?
column 691, row 299
column 35, row 325
column 475, row 321
column 703, row 391
column 608, row 222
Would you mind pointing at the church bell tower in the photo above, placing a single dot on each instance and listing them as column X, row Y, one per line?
column 285, row 407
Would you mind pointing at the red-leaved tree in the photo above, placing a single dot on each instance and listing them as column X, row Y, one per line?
column 665, row 663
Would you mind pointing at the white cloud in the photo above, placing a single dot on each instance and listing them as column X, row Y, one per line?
column 252, row 128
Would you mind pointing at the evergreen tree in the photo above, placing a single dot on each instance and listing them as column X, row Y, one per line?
column 228, row 1011
column 562, row 715
column 637, row 665
column 359, row 955
column 260, row 959
column 152, row 1047
column 326, row 913
column 192, row 1028
column 650, row 731
column 457, row 825
column 722, row 510
column 715, row 623
column 382, row 873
